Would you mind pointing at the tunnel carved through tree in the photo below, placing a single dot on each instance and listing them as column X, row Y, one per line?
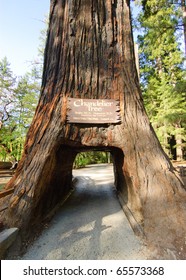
column 90, row 55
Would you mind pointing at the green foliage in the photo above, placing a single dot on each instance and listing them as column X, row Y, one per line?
column 1, row 186
column 18, row 100
column 163, row 77
column 7, row 82
column 18, row 103
column 93, row 157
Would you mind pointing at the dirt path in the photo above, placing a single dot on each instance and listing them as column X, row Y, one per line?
column 90, row 225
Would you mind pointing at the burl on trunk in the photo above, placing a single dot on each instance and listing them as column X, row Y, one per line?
column 90, row 55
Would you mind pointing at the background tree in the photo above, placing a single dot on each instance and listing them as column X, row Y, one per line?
column 93, row 157
column 7, row 98
column 7, row 82
column 19, row 97
column 179, row 7
column 163, row 74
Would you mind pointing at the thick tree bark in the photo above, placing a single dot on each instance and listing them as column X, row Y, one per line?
column 90, row 54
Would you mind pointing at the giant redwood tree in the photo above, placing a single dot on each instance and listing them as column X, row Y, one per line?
column 90, row 55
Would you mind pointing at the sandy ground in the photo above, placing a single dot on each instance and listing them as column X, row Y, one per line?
column 90, row 225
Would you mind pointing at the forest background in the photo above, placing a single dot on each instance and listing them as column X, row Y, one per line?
column 159, row 29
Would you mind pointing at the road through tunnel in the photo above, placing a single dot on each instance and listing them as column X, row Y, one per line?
column 58, row 175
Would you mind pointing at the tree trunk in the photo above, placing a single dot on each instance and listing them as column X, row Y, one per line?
column 183, row 4
column 90, row 54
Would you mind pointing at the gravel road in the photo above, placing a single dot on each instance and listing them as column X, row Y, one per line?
column 90, row 225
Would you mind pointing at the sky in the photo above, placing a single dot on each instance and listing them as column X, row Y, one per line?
column 21, row 22
column 20, row 26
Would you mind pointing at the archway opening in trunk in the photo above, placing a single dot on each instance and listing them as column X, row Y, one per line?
column 102, row 166
column 58, row 174
column 59, row 179
column 101, row 155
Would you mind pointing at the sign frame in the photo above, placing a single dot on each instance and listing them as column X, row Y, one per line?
column 93, row 111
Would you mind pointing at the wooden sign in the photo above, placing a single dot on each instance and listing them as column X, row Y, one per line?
column 95, row 111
